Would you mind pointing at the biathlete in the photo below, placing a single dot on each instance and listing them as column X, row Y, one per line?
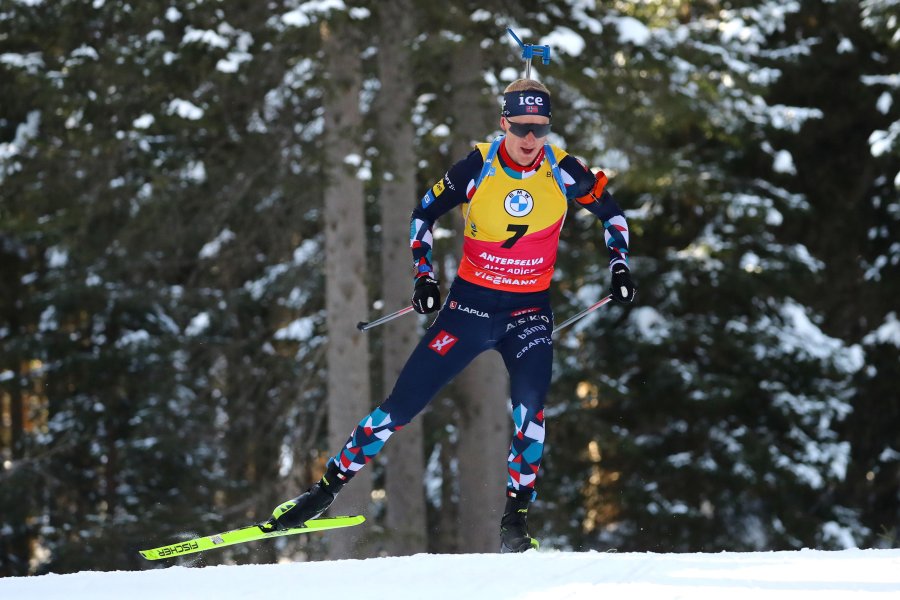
column 514, row 195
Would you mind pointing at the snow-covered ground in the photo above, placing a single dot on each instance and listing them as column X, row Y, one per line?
column 847, row 574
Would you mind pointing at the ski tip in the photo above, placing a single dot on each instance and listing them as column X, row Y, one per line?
column 349, row 519
column 339, row 520
column 322, row 523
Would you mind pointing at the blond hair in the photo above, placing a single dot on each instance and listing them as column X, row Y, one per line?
column 525, row 85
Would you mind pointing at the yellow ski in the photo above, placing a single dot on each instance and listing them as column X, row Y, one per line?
column 246, row 534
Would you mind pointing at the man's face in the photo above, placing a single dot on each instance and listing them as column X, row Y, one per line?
column 524, row 148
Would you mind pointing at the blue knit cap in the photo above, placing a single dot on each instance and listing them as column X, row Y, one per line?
column 527, row 102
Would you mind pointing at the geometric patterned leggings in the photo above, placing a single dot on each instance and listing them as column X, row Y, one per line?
column 473, row 319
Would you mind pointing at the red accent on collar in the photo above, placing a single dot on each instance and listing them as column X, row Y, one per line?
column 509, row 162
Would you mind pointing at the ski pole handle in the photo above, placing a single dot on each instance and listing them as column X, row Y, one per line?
column 364, row 325
column 583, row 313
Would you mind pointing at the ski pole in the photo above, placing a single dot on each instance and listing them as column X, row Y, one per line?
column 582, row 314
column 364, row 325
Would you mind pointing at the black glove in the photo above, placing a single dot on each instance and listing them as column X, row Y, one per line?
column 622, row 287
column 426, row 295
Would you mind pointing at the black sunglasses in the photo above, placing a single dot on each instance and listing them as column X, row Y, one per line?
column 523, row 129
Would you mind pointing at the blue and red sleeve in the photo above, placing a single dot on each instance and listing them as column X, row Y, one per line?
column 589, row 191
column 450, row 191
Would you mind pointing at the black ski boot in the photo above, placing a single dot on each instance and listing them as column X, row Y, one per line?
column 513, row 527
column 308, row 505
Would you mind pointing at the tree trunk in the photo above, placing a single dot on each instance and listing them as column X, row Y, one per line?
column 345, row 268
column 405, row 514
column 484, row 427
column 484, row 434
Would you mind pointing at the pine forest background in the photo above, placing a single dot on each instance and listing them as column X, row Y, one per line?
column 201, row 198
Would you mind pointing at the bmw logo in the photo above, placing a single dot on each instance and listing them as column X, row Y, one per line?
column 518, row 203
